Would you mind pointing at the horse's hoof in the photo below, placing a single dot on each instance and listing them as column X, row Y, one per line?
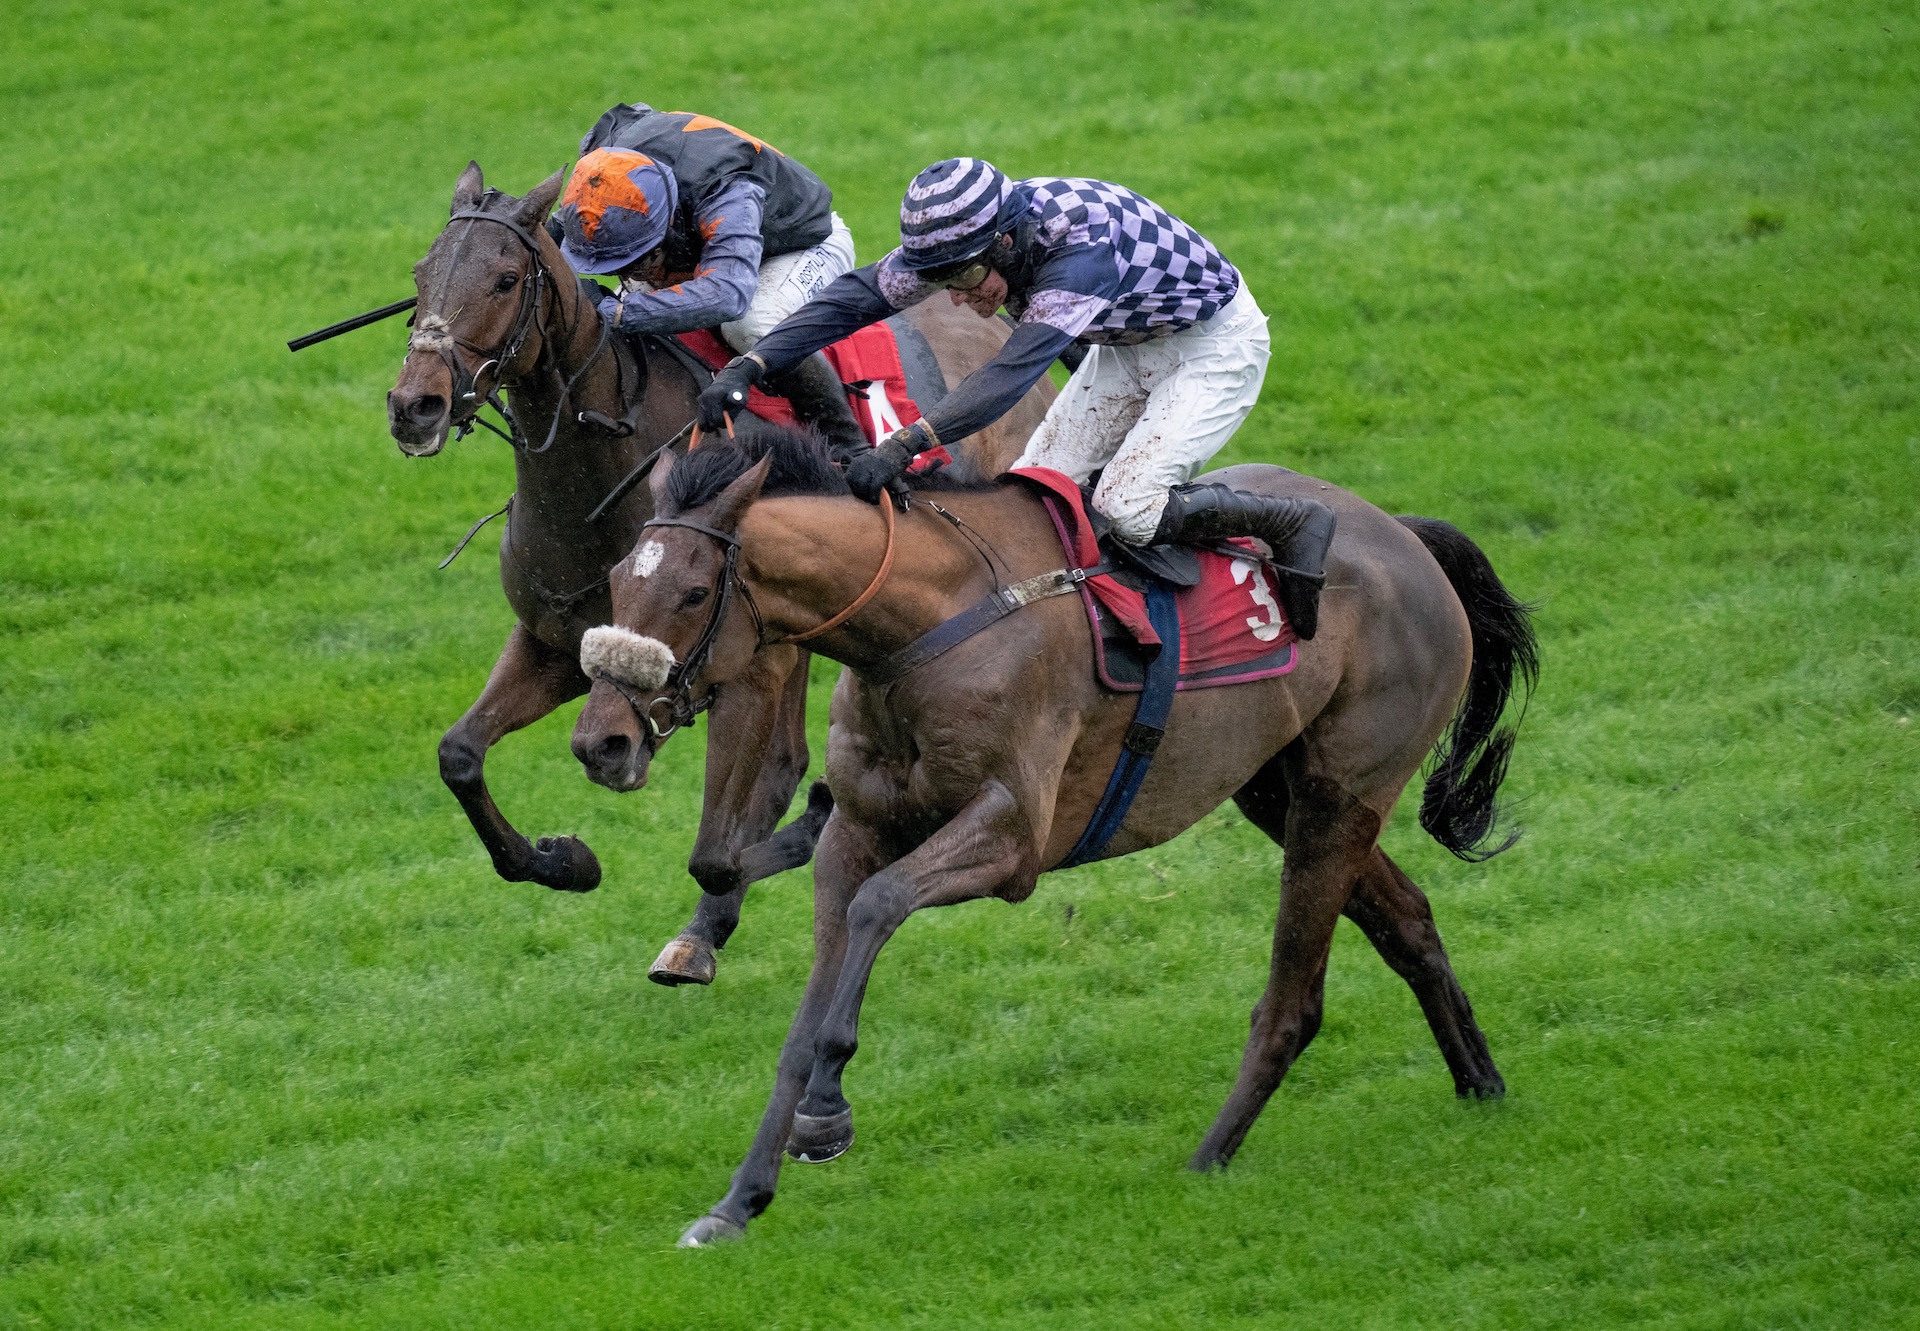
column 684, row 960
column 709, row 1230
column 565, row 864
column 814, row 1141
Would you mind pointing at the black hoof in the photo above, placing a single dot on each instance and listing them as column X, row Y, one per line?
column 814, row 1141
column 1488, row 1090
column 684, row 961
column 565, row 864
column 709, row 1230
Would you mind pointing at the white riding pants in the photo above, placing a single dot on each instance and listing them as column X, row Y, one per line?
column 788, row 281
column 1152, row 414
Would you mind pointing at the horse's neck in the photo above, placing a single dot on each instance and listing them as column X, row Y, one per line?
column 557, row 487
column 814, row 555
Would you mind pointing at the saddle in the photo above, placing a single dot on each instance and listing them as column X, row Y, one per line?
column 1232, row 628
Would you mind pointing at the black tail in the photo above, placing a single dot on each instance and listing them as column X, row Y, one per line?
column 1470, row 761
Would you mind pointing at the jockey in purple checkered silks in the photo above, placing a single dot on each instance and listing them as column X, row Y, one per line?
column 706, row 227
column 1176, row 349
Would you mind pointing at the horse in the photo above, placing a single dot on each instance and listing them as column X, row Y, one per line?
column 499, row 311
column 969, row 774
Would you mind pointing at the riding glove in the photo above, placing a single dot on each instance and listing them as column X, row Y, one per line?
column 874, row 470
column 727, row 394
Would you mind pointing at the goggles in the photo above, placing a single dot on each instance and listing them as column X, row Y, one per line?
column 959, row 277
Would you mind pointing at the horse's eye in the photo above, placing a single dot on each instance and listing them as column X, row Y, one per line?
column 506, row 281
column 693, row 598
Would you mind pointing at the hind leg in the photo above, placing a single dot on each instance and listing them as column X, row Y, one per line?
column 1394, row 914
column 1328, row 836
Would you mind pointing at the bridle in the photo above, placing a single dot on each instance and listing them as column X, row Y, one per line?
column 678, row 698
column 432, row 334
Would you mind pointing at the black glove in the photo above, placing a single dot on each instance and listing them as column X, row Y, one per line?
column 592, row 292
column 727, row 394
column 879, row 467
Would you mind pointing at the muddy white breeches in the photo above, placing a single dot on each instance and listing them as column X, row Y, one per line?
column 788, row 281
column 1152, row 414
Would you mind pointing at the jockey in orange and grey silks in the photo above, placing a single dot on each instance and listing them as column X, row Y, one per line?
column 708, row 227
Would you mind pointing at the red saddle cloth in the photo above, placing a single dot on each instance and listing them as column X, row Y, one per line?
column 1232, row 626
column 868, row 362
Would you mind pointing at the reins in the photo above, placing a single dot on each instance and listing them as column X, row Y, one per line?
column 886, row 567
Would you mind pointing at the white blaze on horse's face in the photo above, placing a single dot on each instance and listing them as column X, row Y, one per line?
column 624, row 657
column 647, row 558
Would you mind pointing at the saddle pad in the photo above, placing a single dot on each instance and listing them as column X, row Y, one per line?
column 1232, row 627
column 868, row 363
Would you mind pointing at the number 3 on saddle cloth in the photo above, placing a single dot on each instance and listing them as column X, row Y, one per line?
column 1227, row 628
column 883, row 368
column 1232, row 628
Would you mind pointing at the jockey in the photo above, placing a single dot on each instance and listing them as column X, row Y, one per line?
column 1176, row 352
column 707, row 227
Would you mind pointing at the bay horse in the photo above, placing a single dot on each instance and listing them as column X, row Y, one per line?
column 499, row 311
column 973, row 773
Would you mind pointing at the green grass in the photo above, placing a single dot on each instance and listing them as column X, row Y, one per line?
column 1627, row 290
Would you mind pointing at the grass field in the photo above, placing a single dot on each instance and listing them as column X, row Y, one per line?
column 1628, row 290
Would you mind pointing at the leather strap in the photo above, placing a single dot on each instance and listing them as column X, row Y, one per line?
column 1143, row 737
column 950, row 633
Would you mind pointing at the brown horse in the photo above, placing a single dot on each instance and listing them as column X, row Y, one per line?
column 972, row 774
column 500, row 311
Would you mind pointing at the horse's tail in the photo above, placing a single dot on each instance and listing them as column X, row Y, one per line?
column 1458, row 808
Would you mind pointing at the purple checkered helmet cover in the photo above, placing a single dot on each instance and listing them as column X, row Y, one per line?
column 951, row 212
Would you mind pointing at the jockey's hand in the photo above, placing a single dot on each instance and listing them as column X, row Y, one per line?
column 727, row 394
column 592, row 292
column 874, row 470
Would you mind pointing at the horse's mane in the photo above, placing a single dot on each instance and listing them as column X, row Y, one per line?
column 802, row 465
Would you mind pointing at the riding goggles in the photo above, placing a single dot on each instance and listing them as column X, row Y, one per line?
column 959, row 277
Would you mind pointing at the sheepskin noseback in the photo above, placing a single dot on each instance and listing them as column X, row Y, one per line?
column 624, row 657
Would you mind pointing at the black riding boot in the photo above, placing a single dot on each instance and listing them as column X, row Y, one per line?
column 1297, row 530
column 820, row 400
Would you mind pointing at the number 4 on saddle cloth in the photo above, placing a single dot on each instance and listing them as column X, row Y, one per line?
column 885, row 367
column 1232, row 628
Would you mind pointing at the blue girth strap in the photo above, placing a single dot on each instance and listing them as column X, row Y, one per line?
column 1143, row 736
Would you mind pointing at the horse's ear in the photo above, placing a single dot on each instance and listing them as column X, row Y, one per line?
column 540, row 199
column 657, row 482
column 732, row 501
column 468, row 189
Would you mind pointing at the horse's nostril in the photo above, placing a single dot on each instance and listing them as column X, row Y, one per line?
column 611, row 752
column 427, row 409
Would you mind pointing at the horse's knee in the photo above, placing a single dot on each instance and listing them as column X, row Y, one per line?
column 1281, row 1036
column 718, row 874
column 461, row 760
column 881, row 904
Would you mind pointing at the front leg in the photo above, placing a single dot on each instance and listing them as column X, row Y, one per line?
column 989, row 849
column 528, row 681
column 847, row 855
column 756, row 755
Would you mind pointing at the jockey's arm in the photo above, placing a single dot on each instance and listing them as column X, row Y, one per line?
column 845, row 305
column 1068, row 291
column 723, row 282
column 994, row 389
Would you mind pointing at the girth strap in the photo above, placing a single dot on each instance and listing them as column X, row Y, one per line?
column 1143, row 736
column 950, row 633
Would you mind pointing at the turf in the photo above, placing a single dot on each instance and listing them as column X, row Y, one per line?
column 1626, row 290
